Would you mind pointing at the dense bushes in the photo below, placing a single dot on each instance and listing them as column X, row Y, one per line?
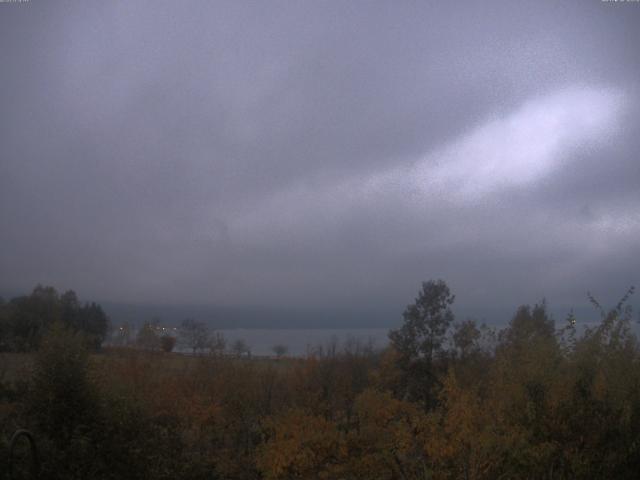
column 85, row 430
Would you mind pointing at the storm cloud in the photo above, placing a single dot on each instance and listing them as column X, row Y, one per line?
column 318, row 154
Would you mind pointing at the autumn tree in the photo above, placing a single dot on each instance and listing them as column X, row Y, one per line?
column 468, row 436
column 388, row 439
column 599, row 416
column 300, row 446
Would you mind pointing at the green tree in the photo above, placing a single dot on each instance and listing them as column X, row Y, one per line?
column 94, row 324
column 529, row 325
column 70, row 308
column 419, row 342
column 89, row 319
column 465, row 338
column 62, row 397
column 32, row 315
column 28, row 318
column 64, row 405
column 426, row 322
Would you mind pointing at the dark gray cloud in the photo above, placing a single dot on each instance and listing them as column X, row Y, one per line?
column 320, row 153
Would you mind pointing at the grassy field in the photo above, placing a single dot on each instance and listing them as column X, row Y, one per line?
column 19, row 366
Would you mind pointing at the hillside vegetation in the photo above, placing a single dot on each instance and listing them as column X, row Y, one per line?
column 446, row 400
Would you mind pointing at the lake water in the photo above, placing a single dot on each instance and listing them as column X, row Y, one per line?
column 299, row 341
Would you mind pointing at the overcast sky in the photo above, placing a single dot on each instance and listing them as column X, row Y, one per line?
column 320, row 153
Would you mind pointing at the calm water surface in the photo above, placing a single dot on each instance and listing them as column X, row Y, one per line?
column 299, row 341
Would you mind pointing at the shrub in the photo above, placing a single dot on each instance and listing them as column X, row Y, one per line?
column 167, row 343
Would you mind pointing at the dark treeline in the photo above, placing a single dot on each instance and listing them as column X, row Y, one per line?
column 25, row 320
column 446, row 400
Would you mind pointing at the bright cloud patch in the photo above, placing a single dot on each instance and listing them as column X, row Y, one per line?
column 516, row 150
column 524, row 146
